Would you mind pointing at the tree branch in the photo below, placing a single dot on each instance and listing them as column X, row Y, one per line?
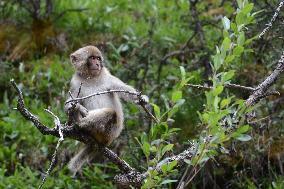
column 29, row 116
column 72, row 132
column 262, row 89
column 229, row 85
column 269, row 25
column 100, row 93
column 138, row 94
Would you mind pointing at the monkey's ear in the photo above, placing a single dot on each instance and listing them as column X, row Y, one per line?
column 76, row 62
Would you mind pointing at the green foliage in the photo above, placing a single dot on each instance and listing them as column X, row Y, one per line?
column 224, row 113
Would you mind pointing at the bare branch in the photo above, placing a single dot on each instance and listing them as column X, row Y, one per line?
column 262, row 89
column 100, row 93
column 74, row 133
column 269, row 25
column 138, row 94
column 150, row 114
column 79, row 91
column 29, row 116
column 124, row 166
column 228, row 85
column 135, row 179
column 52, row 163
column 198, row 25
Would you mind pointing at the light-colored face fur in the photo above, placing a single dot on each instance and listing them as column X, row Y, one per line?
column 88, row 61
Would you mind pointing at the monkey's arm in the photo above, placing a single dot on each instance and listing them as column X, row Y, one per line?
column 76, row 106
column 120, row 85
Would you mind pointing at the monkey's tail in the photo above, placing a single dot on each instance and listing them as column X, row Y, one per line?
column 84, row 155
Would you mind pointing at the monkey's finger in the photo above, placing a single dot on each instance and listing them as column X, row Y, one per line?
column 83, row 111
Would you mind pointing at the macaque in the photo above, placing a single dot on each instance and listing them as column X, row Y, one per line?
column 100, row 115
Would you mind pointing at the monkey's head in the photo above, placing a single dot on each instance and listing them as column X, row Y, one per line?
column 88, row 61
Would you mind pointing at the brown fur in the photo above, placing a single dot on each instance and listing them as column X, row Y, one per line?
column 101, row 115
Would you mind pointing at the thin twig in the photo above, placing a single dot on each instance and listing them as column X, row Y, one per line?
column 100, row 93
column 61, row 138
column 70, row 94
column 229, row 85
column 260, row 120
column 269, row 25
column 138, row 94
column 192, row 177
column 150, row 114
column 79, row 91
column 181, row 183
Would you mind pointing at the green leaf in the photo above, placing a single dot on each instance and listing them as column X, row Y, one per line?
column 240, row 3
column 234, row 27
column 216, row 102
column 241, row 130
column 218, row 90
column 182, row 71
column 238, row 50
column 228, row 75
column 172, row 165
column 164, row 168
column 241, row 18
column 187, row 161
column 226, row 23
column 248, row 8
column 174, row 130
column 225, row 102
column 168, row 181
column 174, row 109
column 244, row 138
column 156, row 110
column 153, row 149
column 241, row 39
column 248, row 41
column 229, row 59
column 226, row 44
column 176, row 96
column 218, row 61
column 167, row 148
column 146, row 149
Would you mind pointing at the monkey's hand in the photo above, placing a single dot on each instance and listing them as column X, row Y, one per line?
column 83, row 111
column 143, row 99
column 76, row 107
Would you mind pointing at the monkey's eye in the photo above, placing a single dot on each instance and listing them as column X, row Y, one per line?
column 96, row 58
column 92, row 57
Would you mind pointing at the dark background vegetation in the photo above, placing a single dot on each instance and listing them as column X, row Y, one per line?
column 144, row 43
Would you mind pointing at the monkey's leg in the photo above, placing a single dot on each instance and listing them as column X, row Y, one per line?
column 102, row 124
column 84, row 155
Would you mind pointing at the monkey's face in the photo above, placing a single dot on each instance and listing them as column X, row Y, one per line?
column 94, row 64
column 88, row 61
